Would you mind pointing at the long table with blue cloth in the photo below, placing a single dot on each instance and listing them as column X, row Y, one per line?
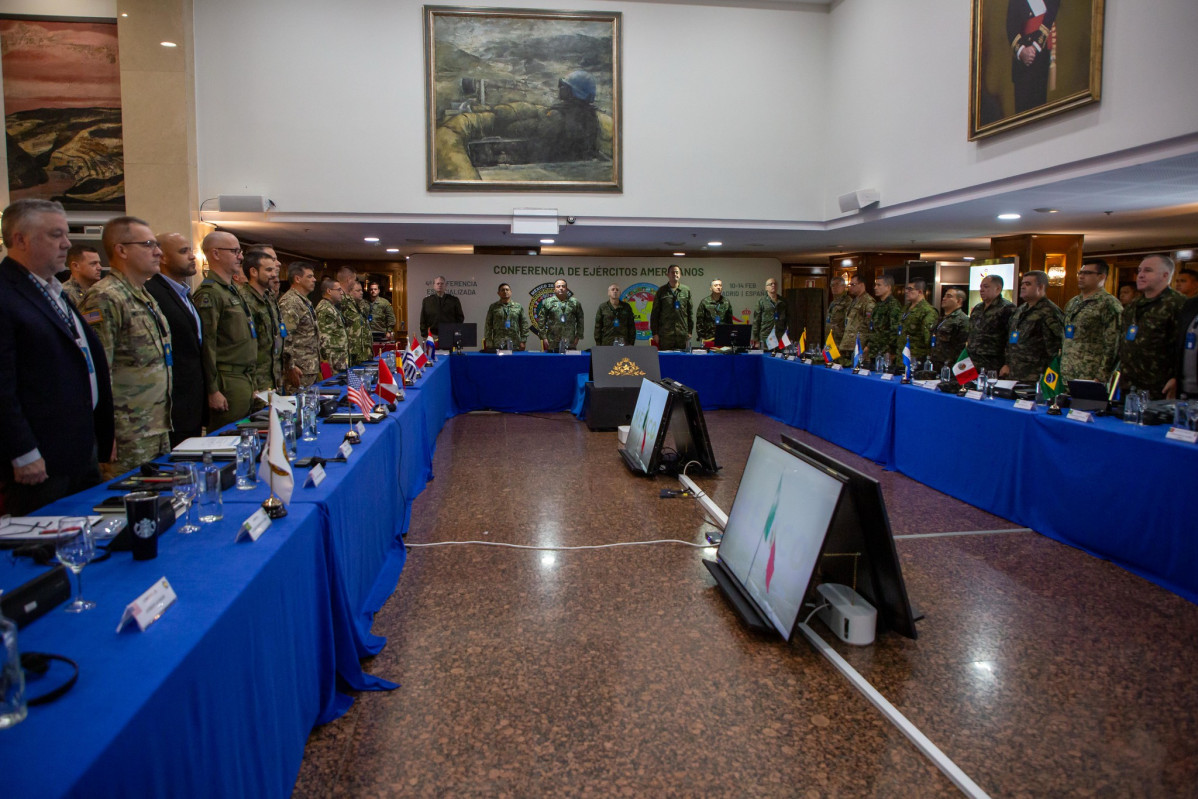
column 218, row 697
column 1116, row 490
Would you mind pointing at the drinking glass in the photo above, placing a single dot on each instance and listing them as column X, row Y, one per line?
column 991, row 376
column 75, row 548
column 185, row 489
column 1192, row 415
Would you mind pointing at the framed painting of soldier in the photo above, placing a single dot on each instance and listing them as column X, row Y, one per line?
column 522, row 99
column 1031, row 59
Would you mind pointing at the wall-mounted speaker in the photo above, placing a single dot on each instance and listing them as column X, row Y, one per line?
column 853, row 201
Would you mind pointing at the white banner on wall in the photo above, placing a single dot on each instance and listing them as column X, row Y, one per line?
column 475, row 279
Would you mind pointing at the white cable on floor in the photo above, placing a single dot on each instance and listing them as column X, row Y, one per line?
column 561, row 549
column 892, row 714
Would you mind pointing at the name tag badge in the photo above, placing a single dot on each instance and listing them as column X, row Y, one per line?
column 1069, row 331
column 615, row 323
column 282, row 330
column 253, row 527
column 1131, row 332
column 253, row 329
column 933, row 341
column 828, row 321
column 149, row 607
column 1014, row 339
column 1191, row 340
column 900, row 329
column 507, row 323
column 871, row 325
column 87, row 355
column 677, row 304
column 168, row 357
column 562, row 318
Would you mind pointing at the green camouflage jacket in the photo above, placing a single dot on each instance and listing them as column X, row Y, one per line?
column 1091, row 343
column 613, row 323
column 561, row 320
column 301, row 348
column 988, row 332
column 915, row 325
column 334, row 335
column 1148, row 358
column 672, row 317
column 709, row 314
column 1033, row 339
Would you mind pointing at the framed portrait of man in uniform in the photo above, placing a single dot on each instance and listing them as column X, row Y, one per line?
column 522, row 100
column 1031, row 59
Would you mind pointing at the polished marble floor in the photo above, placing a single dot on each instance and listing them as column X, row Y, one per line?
column 1039, row 670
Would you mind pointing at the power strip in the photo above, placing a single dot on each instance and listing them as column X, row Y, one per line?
column 717, row 516
column 847, row 614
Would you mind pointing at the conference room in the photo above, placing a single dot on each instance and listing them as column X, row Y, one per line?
column 484, row 599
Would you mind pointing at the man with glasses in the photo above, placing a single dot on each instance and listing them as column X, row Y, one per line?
column 916, row 323
column 1091, row 342
column 334, row 332
column 55, row 396
column 171, row 287
column 1147, row 345
column 137, row 342
column 230, row 346
column 1035, row 331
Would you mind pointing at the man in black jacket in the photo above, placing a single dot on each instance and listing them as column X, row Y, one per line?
column 55, row 397
column 172, row 289
column 439, row 307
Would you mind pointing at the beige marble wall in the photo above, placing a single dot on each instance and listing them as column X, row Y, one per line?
column 158, row 112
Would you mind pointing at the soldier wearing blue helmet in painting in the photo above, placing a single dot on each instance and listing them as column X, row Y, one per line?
column 569, row 129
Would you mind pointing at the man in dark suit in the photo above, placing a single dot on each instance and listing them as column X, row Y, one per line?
column 55, row 397
column 172, row 289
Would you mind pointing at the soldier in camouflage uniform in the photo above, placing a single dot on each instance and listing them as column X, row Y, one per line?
column 84, row 263
column 301, row 348
column 561, row 318
column 769, row 315
column 230, row 339
column 260, row 269
column 672, row 319
column 883, row 326
column 1148, row 348
column 1092, row 326
column 615, row 320
column 355, row 320
column 1037, row 325
column 137, row 341
column 988, row 326
column 838, row 310
column 856, row 319
column 379, row 312
column 951, row 333
column 713, row 310
column 916, row 323
column 362, row 347
column 505, row 321
column 334, row 331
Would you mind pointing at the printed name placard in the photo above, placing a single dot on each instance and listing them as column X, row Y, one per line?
column 254, row 526
column 361, row 428
column 932, row 384
column 1025, row 405
column 1081, row 416
column 973, row 394
column 1183, row 435
column 864, row 372
column 887, row 376
column 345, row 449
column 149, row 607
column 836, row 367
column 315, row 476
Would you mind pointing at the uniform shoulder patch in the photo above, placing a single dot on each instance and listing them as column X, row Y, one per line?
column 93, row 317
column 203, row 299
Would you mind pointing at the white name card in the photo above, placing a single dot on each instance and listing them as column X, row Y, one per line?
column 253, row 527
column 791, row 357
column 361, row 428
column 1025, row 405
column 574, row 352
column 345, row 449
column 836, row 367
column 503, row 352
column 932, row 384
column 887, row 376
column 1081, row 416
column 315, row 476
column 864, row 372
column 973, row 394
column 149, row 607
column 1183, row 435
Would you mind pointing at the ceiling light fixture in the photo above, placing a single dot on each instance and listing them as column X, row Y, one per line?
column 392, row 249
column 1047, row 210
column 679, row 255
column 968, row 258
column 1009, row 217
column 715, row 244
column 847, row 262
column 546, row 241
column 168, row 44
column 371, row 239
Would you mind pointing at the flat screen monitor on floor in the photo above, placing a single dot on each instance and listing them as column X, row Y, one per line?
column 447, row 331
column 862, row 525
column 647, row 429
column 784, row 506
column 689, row 429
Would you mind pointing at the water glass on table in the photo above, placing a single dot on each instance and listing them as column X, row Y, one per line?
column 75, row 549
column 185, row 488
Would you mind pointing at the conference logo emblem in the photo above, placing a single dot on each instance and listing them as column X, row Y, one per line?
column 640, row 297
column 626, row 368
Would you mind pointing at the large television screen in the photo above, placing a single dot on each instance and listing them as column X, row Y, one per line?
column 863, row 526
column 783, row 508
column 642, row 448
column 1005, row 269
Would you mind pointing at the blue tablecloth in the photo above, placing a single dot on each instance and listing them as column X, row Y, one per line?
column 522, row 382
column 215, row 699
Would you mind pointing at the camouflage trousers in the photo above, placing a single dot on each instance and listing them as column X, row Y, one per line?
column 131, row 454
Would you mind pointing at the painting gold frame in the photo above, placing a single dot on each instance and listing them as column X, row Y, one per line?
column 1004, row 94
column 523, row 100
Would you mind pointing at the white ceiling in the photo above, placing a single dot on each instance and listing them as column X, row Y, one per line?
column 1136, row 207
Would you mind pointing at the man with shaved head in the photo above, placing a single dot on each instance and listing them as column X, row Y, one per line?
column 171, row 287
column 230, row 348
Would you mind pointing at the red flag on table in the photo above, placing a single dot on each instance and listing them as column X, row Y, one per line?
column 358, row 394
column 418, row 353
column 388, row 389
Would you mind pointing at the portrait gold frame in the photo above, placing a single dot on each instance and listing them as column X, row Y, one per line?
column 991, row 109
column 511, row 85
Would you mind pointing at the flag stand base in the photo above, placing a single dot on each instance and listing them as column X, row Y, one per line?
column 274, row 507
column 353, row 437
